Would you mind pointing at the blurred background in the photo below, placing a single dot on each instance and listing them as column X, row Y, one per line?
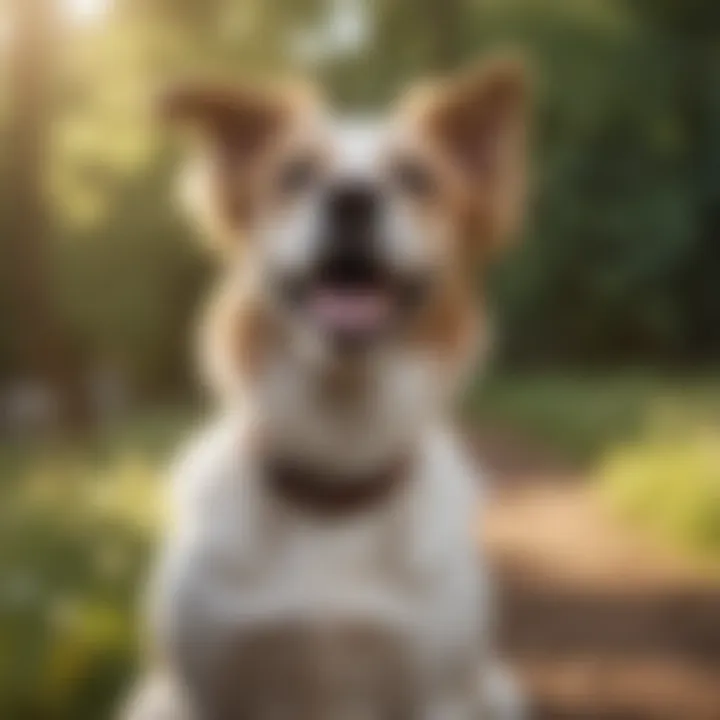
column 600, row 418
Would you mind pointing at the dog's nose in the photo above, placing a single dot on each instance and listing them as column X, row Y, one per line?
column 353, row 205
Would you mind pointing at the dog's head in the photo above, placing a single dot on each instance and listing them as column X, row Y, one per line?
column 360, row 233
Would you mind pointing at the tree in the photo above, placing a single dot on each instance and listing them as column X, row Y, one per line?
column 39, row 347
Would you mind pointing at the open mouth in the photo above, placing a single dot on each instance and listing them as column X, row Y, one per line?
column 355, row 300
column 349, row 311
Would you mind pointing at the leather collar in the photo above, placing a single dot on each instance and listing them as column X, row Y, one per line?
column 330, row 494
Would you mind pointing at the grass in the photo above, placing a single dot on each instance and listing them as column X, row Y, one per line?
column 651, row 443
column 76, row 523
column 584, row 416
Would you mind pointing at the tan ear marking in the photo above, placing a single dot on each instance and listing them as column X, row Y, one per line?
column 479, row 120
column 234, row 125
column 238, row 113
column 480, row 113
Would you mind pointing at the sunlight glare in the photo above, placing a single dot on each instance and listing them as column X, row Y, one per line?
column 84, row 12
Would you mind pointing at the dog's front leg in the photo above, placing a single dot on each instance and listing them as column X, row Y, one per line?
column 157, row 697
column 497, row 697
column 500, row 697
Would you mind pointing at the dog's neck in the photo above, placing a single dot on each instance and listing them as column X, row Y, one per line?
column 348, row 414
column 349, row 420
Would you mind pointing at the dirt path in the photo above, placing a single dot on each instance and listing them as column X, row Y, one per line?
column 599, row 623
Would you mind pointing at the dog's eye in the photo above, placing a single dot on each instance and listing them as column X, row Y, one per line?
column 413, row 177
column 298, row 175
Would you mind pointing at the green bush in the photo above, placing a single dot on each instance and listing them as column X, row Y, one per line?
column 669, row 483
column 582, row 417
column 76, row 526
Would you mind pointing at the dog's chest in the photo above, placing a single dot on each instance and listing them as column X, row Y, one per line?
column 326, row 620
column 313, row 670
column 276, row 606
column 324, row 625
column 286, row 568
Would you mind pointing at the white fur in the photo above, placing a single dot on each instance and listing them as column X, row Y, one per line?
column 356, row 437
column 234, row 563
column 289, row 238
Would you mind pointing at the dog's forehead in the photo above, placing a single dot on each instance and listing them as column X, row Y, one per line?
column 358, row 146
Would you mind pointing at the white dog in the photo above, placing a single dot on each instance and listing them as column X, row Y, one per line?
column 322, row 564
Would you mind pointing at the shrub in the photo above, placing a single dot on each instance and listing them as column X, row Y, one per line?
column 669, row 482
column 75, row 530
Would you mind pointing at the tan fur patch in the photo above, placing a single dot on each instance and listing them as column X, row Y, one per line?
column 316, row 672
column 478, row 122
column 236, row 336
column 448, row 324
column 234, row 131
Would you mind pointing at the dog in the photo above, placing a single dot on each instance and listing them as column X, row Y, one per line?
column 322, row 563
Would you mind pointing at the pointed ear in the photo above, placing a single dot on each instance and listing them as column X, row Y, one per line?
column 479, row 120
column 232, row 129
column 242, row 116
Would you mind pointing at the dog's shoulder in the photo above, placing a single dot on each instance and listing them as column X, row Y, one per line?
column 213, row 509
column 447, row 500
column 449, row 471
column 210, row 468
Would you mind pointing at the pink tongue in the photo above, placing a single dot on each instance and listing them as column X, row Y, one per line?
column 354, row 311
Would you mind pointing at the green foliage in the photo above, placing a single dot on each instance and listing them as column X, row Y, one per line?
column 584, row 416
column 652, row 443
column 75, row 526
column 669, row 483
column 618, row 263
column 608, row 272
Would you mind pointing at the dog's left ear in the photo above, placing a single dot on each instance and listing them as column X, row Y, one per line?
column 232, row 128
column 479, row 120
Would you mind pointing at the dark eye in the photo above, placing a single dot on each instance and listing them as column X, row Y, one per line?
column 413, row 177
column 297, row 175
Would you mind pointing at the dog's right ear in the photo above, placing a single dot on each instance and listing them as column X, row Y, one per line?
column 479, row 120
column 231, row 130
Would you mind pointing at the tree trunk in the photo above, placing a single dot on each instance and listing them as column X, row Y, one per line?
column 40, row 352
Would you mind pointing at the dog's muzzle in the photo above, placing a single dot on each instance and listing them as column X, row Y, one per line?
column 352, row 294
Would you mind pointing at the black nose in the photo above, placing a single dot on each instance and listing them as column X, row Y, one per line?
column 353, row 206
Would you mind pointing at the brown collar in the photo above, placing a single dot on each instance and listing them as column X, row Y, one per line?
column 329, row 494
